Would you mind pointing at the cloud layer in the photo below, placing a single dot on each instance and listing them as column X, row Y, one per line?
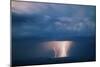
column 49, row 20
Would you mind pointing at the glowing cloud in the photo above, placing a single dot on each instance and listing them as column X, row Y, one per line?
column 26, row 8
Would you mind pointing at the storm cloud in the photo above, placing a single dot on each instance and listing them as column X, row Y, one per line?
column 46, row 20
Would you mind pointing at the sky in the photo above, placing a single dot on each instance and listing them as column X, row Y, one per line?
column 39, row 19
column 34, row 23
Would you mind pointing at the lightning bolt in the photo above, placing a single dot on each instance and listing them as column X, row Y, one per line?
column 60, row 48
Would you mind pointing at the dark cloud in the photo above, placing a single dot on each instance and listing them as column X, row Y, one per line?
column 46, row 20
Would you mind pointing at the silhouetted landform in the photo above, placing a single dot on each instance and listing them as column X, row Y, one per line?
column 40, row 61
